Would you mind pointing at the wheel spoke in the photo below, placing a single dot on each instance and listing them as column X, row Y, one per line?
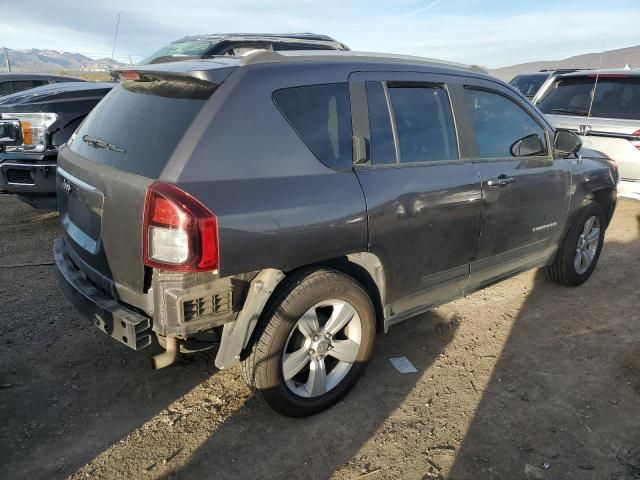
column 345, row 350
column 308, row 324
column 593, row 235
column 294, row 362
column 317, row 381
column 577, row 261
column 588, row 224
column 340, row 317
column 586, row 259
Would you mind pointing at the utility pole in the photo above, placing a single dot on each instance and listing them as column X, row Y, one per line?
column 6, row 58
column 115, row 37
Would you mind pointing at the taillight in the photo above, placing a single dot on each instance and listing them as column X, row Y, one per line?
column 636, row 143
column 179, row 232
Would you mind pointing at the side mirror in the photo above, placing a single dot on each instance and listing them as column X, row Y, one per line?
column 566, row 142
column 528, row 146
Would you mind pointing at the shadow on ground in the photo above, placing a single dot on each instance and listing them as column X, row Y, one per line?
column 558, row 404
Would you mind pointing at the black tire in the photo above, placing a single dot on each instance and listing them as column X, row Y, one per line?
column 262, row 365
column 563, row 269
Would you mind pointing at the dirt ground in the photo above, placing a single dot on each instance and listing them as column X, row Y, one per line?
column 525, row 380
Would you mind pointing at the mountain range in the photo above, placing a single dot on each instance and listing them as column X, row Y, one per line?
column 610, row 59
column 36, row 60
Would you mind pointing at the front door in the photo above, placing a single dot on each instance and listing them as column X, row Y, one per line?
column 422, row 192
column 525, row 191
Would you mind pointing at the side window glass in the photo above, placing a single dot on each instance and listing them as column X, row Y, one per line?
column 381, row 145
column 22, row 85
column 321, row 116
column 503, row 128
column 5, row 88
column 424, row 123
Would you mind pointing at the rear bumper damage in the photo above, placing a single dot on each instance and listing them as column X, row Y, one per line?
column 123, row 324
column 184, row 306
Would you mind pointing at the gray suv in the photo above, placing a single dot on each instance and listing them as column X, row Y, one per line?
column 284, row 207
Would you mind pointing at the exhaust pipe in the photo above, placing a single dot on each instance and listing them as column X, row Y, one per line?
column 167, row 357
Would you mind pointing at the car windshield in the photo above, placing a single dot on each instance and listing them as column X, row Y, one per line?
column 189, row 47
column 615, row 97
column 529, row 84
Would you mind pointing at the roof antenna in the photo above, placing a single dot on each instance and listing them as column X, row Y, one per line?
column 115, row 37
column 6, row 58
column 595, row 85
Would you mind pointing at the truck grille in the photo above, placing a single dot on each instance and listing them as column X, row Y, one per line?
column 207, row 306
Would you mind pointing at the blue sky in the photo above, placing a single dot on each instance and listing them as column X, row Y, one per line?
column 485, row 32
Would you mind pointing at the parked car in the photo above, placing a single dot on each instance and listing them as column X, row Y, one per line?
column 239, row 44
column 531, row 84
column 33, row 124
column 610, row 123
column 282, row 208
column 17, row 82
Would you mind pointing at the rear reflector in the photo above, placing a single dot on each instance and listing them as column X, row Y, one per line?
column 179, row 232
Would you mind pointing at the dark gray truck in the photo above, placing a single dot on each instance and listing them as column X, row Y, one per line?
column 283, row 208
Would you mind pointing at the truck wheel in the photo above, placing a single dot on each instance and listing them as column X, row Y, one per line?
column 579, row 251
column 312, row 343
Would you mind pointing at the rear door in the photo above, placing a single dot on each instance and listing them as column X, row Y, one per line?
column 422, row 192
column 525, row 191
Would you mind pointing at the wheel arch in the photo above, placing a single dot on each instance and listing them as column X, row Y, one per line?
column 367, row 269
column 607, row 198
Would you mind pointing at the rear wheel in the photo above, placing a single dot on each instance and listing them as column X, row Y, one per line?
column 580, row 250
column 312, row 343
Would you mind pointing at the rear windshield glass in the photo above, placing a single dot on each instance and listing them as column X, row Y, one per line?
column 321, row 115
column 615, row 97
column 191, row 47
column 528, row 84
column 138, row 125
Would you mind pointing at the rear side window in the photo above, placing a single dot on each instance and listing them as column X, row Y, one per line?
column 529, row 84
column 138, row 125
column 615, row 97
column 321, row 116
column 424, row 123
column 500, row 124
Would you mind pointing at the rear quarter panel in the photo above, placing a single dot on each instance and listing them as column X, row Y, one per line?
column 277, row 205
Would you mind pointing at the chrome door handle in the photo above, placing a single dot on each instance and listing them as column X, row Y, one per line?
column 501, row 181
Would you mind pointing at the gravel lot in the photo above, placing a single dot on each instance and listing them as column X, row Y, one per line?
column 525, row 380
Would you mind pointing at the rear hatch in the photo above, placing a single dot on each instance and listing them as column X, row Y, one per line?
column 104, row 171
column 610, row 124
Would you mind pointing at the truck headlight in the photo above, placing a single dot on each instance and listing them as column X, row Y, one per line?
column 33, row 131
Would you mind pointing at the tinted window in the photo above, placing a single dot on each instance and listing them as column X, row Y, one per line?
column 143, row 121
column 424, row 123
column 21, row 85
column 529, row 84
column 321, row 115
column 500, row 123
column 5, row 88
column 382, row 148
column 614, row 97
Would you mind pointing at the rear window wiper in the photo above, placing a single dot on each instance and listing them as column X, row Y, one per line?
column 569, row 111
column 97, row 143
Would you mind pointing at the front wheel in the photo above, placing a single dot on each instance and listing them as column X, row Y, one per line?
column 580, row 250
column 312, row 343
